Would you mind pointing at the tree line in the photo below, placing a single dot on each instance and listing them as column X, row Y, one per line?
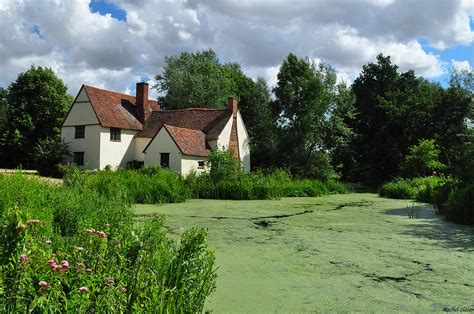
column 385, row 124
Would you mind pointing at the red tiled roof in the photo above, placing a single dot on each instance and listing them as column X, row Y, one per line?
column 209, row 121
column 116, row 110
column 189, row 142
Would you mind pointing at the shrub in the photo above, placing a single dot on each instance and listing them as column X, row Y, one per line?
column 460, row 205
column 421, row 189
column 401, row 189
column 49, row 153
column 422, row 160
column 101, row 262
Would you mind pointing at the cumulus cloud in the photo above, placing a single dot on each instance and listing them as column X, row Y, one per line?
column 461, row 65
column 90, row 48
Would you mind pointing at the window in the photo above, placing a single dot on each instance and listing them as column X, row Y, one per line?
column 165, row 160
column 115, row 134
column 200, row 164
column 80, row 131
column 79, row 158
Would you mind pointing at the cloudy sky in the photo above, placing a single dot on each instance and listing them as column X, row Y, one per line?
column 115, row 43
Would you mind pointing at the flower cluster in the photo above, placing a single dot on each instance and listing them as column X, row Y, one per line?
column 101, row 234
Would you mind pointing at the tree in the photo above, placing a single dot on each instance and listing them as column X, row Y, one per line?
column 196, row 80
column 304, row 93
column 422, row 160
column 37, row 103
column 49, row 153
column 3, row 108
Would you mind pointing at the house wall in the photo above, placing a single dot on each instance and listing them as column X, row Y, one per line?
column 190, row 163
column 244, row 144
column 140, row 144
column 163, row 143
column 81, row 112
column 224, row 138
column 90, row 144
column 116, row 154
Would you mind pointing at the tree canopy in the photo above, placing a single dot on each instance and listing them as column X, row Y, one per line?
column 36, row 104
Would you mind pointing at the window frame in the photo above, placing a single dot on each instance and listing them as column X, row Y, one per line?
column 163, row 165
column 115, row 134
column 77, row 158
column 79, row 131
column 201, row 164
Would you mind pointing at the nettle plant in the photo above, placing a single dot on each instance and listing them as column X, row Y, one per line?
column 43, row 271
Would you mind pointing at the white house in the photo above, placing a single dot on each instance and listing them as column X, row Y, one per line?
column 108, row 128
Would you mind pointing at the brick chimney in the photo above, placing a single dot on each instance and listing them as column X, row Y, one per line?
column 232, row 105
column 234, row 137
column 142, row 101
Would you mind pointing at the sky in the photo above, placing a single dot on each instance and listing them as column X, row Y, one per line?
column 113, row 44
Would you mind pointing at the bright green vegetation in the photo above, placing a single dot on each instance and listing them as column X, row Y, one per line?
column 70, row 249
column 154, row 185
column 351, row 252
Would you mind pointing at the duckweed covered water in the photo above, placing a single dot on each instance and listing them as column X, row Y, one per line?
column 353, row 252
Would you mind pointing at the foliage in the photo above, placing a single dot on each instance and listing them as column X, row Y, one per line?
column 49, row 153
column 222, row 165
column 422, row 159
column 37, row 103
column 420, row 188
column 193, row 80
column 104, row 264
column 149, row 185
column 304, row 93
column 460, row 205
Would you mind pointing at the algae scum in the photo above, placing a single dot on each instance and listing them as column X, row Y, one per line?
column 353, row 252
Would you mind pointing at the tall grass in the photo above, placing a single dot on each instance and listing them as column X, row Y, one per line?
column 70, row 249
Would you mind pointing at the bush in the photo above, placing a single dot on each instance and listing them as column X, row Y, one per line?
column 422, row 160
column 421, row 189
column 460, row 205
column 49, row 154
column 65, row 249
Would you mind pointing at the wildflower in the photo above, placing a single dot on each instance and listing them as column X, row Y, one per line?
column 53, row 255
column 80, row 266
column 50, row 262
column 21, row 227
column 88, row 270
column 55, row 267
column 64, row 265
column 24, row 259
column 90, row 231
column 48, row 242
column 44, row 284
column 107, row 226
column 101, row 234
column 83, row 289
column 80, row 248
column 123, row 290
column 110, row 281
column 33, row 222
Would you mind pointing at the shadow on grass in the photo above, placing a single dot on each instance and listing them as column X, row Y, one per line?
column 435, row 228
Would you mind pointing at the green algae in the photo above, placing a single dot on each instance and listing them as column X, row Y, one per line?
column 353, row 252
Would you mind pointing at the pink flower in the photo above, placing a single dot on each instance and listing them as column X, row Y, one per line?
column 55, row 267
column 110, row 281
column 107, row 226
column 101, row 234
column 88, row 270
column 123, row 290
column 24, row 259
column 83, row 289
column 64, row 265
column 50, row 262
column 44, row 284
column 33, row 222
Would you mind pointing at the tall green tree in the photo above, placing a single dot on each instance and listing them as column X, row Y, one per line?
column 304, row 94
column 3, row 108
column 196, row 80
column 37, row 102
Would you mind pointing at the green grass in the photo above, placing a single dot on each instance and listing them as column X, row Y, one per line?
column 352, row 252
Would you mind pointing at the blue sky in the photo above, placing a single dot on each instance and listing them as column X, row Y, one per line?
column 113, row 44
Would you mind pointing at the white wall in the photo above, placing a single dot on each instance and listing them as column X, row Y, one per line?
column 163, row 143
column 90, row 144
column 244, row 144
column 140, row 144
column 116, row 154
column 190, row 163
column 224, row 138
column 81, row 112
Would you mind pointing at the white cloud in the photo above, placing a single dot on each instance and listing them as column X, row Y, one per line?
column 84, row 47
column 461, row 65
